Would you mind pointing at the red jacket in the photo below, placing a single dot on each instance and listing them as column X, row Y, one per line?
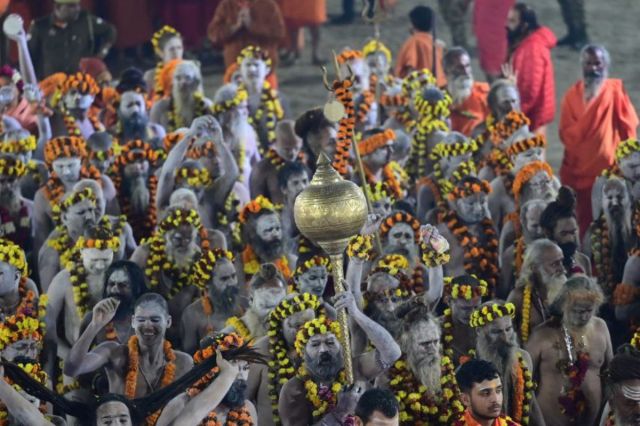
column 532, row 61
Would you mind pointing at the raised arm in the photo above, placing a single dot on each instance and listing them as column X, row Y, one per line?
column 224, row 183
column 80, row 359
column 386, row 351
column 166, row 182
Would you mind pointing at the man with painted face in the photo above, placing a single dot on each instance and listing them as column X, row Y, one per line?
column 143, row 364
column 587, row 129
column 293, row 178
column 497, row 342
column 72, row 117
column 463, row 295
column 625, row 167
column 80, row 286
column 622, row 382
column 231, row 109
column 124, row 282
column 16, row 289
column 570, row 354
column 452, row 160
column 560, row 224
column 219, row 300
column 167, row 45
column 266, row 289
column 133, row 116
column 58, row 42
column 263, row 238
column 318, row 135
column 311, row 274
column 375, row 148
column 470, row 107
column 15, row 210
column 469, row 229
column 263, row 100
column 503, row 98
column 264, row 175
column 318, row 346
column 186, row 101
column 512, row 257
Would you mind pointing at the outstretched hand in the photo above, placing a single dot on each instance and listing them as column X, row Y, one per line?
column 104, row 311
column 509, row 73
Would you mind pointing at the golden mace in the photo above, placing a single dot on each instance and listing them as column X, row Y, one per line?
column 329, row 212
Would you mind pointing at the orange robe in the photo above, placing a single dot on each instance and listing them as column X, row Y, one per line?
column 298, row 13
column 590, row 133
column 473, row 111
column 417, row 53
column 266, row 29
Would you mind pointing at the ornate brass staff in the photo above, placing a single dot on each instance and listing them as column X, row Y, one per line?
column 329, row 212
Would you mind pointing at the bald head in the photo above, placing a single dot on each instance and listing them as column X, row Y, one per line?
column 288, row 144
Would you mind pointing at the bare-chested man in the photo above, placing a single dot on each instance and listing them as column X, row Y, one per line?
column 570, row 353
column 623, row 389
column 142, row 365
column 16, row 289
column 541, row 278
column 100, row 151
column 73, row 119
column 560, row 224
column 425, row 372
column 231, row 109
column 503, row 98
column 463, row 295
column 266, row 289
column 263, row 101
column 318, row 345
column 318, row 135
column 263, row 238
column 168, row 46
column 187, row 101
column 15, row 210
column 219, row 300
column 375, row 148
column 512, row 257
column 497, row 343
column 123, row 281
column 77, row 288
column 451, row 161
column 211, row 172
column 468, row 227
column 293, row 178
column 264, row 175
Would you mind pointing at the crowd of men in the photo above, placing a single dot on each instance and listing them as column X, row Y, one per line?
column 152, row 272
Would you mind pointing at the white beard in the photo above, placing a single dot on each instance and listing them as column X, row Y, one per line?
column 428, row 372
column 592, row 88
column 554, row 285
column 460, row 88
column 182, row 260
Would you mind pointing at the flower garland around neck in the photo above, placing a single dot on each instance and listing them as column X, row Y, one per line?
column 78, row 274
column 269, row 110
column 447, row 338
column 73, row 129
column 131, row 382
column 366, row 101
column 416, row 401
column 601, row 249
column 194, row 177
column 573, row 402
column 506, row 127
column 526, row 313
column 281, row 367
column 22, row 146
column 252, row 263
column 175, row 119
column 159, row 262
column 446, row 185
column 523, row 392
column 276, row 161
column 480, row 258
column 239, row 326
column 346, row 126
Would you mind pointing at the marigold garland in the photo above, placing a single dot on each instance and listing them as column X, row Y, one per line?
column 346, row 126
column 400, row 217
column 22, row 146
column 28, row 320
column 527, row 173
column 73, row 129
column 255, row 206
column 203, row 268
column 252, row 263
column 489, row 313
column 417, row 407
column 506, row 127
column 573, row 403
column 165, row 31
column 601, row 254
column 36, row 372
column 366, row 99
column 375, row 142
column 465, row 291
column 361, row 247
column 467, row 189
column 323, row 398
column 526, row 313
column 524, row 388
column 193, row 176
column 376, row 46
column 64, row 147
column 276, row 161
column 239, row 327
column 222, row 107
column 523, row 145
column 281, row 367
column 456, row 149
column 133, row 367
column 626, row 148
column 175, row 119
column 13, row 254
column 317, row 260
column 319, row 325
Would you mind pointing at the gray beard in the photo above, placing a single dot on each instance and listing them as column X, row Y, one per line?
column 267, row 252
column 10, row 201
column 427, row 371
column 554, row 285
column 139, row 196
column 503, row 357
column 182, row 260
column 459, row 94
column 325, row 371
column 614, row 223
column 592, row 87
column 183, row 103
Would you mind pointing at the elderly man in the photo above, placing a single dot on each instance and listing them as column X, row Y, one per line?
column 530, row 47
column 497, row 343
column 16, row 289
column 58, row 42
column 142, row 365
column 73, row 118
column 186, row 101
column 423, row 381
column 625, row 167
column 264, row 175
column 570, row 354
column 512, row 257
column 560, row 224
column 469, row 107
column 293, row 178
column 323, row 361
column 596, row 114
column 541, row 278
column 468, row 227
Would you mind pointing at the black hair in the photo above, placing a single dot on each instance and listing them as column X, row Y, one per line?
column 563, row 208
column 136, row 277
column 291, row 168
column 376, row 399
column 421, row 18
column 131, row 79
column 311, row 121
column 153, row 298
column 404, row 206
column 100, row 140
column 139, row 408
column 475, row 371
column 527, row 16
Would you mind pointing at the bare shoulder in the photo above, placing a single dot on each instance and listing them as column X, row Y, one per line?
column 60, row 282
column 31, row 286
column 526, row 357
column 544, row 331
column 497, row 184
column 515, row 296
column 184, row 361
column 140, row 255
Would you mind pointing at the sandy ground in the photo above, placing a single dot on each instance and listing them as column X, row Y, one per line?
column 611, row 22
